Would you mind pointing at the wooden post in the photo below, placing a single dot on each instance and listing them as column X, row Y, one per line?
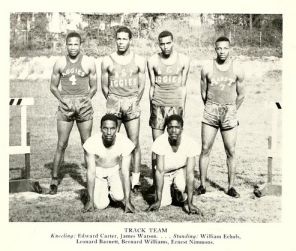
column 269, row 188
column 23, row 125
column 272, row 140
column 27, row 159
column 251, row 27
column 269, row 161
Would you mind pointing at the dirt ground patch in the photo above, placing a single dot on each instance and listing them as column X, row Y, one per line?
column 263, row 81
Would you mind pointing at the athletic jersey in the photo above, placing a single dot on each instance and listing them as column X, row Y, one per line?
column 222, row 86
column 74, row 80
column 168, row 84
column 122, row 147
column 174, row 160
column 124, row 79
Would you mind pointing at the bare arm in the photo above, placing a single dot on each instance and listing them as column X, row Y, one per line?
column 203, row 85
column 159, row 178
column 142, row 78
column 240, row 89
column 189, row 182
column 184, row 80
column 151, row 78
column 91, row 173
column 55, row 81
column 125, row 165
column 92, row 79
column 104, row 77
column 159, row 174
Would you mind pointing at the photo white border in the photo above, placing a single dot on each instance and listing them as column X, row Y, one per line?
column 277, row 236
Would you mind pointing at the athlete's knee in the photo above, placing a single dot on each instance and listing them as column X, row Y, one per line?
column 206, row 149
column 137, row 147
column 84, row 139
column 180, row 185
column 62, row 145
column 180, row 182
column 230, row 152
column 166, row 201
column 116, row 194
column 101, row 204
column 135, row 140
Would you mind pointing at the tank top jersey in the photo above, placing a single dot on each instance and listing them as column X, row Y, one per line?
column 124, row 79
column 168, row 84
column 74, row 80
column 222, row 87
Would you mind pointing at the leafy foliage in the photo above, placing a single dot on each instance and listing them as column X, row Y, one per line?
column 191, row 31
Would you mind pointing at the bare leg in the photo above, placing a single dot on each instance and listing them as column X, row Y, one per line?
column 155, row 134
column 119, row 122
column 132, row 128
column 64, row 128
column 208, row 135
column 229, row 140
column 84, row 129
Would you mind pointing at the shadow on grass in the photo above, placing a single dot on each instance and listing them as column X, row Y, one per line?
column 83, row 197
column 72, row 169
column 250, row 182
column 147, row 191
column 216, row 185
column 211, row 182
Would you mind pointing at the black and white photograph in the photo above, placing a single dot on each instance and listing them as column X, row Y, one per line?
column 178, row 117
column 142, row 127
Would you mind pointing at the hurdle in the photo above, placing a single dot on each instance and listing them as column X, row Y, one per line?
column 24, row 183
column 270, row 188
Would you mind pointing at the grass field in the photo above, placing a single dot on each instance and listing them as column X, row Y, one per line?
column 263, row 81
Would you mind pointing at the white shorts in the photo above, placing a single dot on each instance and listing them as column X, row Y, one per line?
column 107, row 182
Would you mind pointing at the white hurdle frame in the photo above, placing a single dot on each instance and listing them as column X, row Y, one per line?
column 272, row 140
column 24, row 183
column 23, row 103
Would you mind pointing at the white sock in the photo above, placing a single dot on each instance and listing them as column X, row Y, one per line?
column 135, row 179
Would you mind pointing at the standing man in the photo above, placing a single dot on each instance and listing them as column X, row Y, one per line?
column 123, row 82
column 75, row 74
column 223, row 92
column 175, row 161
column 168, row 71
column 108, row 154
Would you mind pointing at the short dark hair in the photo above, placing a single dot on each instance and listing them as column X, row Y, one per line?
column 165, row 33
column 126, row 30
column 174, row 117
column 73, row 34
column 109, row 116
column 222, row 39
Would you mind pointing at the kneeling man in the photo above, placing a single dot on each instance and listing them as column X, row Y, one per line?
column 175, row 161
column 108, row 153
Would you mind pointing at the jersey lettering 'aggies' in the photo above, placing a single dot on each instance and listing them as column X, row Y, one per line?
column 168, row 83
column 72, row 71
column 222, row 85
column 124, row 79
column 74, row 80
column 167, row 77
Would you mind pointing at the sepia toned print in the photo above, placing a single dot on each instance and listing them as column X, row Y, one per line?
column 37, row 41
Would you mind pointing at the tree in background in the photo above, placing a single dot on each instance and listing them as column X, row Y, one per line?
column 30, row 32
